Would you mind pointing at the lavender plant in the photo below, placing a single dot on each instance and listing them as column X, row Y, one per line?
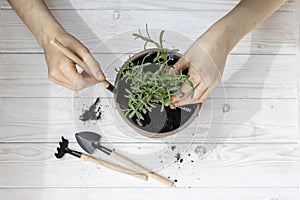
column 149, row 89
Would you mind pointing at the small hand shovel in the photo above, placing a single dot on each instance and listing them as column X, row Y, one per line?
column 63, row 149
column 90, row 141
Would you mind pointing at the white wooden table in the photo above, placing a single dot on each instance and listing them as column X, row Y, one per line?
column 255, row 157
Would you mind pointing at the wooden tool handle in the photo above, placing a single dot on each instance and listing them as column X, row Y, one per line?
column 113, row 166
column 141, row 169
column 75, row 59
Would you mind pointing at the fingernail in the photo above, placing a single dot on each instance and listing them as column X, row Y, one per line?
column 100, row 76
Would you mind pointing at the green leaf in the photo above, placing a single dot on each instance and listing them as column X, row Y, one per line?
column 192, row 93
column 162, row 106
column 144, row 110
column 147, row 31
column 192, row 90
column 139, row 115
column 145, row 45
column 131, row 114
column 129, row 92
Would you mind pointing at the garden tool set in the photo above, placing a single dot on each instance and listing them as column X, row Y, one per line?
column 90, row 142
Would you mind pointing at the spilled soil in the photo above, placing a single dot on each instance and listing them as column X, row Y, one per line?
column 93, row 112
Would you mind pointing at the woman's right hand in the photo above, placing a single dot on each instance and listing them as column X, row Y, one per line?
column 62, row 70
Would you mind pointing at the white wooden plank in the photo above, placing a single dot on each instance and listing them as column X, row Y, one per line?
column 228, row 165
column 274, row 36
column 260, row 155
column 44, row 88
column 151, row 193
column 262, row 111
column 231, row 133
column 248, row 120
column 34, row 65
column 239, row 68
column 145, row 5
column 298, row 58
column 25, row 75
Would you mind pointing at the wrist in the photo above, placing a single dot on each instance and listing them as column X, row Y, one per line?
column 230, row 32
column 215, row 43
column 48, row 33
column 216, row 39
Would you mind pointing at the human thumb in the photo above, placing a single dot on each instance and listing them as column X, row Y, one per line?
column 94, row 68
column 181, row 64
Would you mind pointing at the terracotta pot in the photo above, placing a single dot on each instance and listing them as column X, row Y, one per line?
column 156, row 124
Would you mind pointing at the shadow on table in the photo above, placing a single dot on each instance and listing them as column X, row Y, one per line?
column 240, row 121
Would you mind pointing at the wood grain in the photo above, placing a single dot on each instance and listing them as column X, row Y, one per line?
column 152, row 193
column 144, row 5
column 255, row 157
column 24, row 75
column 239, row 165
column 20, row 66
column 247, row 120
column 114, row 35
column 44, row 88
column 61, row 110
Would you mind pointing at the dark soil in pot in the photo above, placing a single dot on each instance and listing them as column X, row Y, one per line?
column 156, row 123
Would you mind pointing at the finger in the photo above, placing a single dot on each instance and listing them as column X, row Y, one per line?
column 181, row 64
column 184, row 101
column 66, row 73
column 92, row 67
column 55, row 73
column 88, row 79
column 60, row 80
column 194, row 79
column 186, row 88
column 182, row 93
column 79, row 81
column 74, row 83
column 171, row 71
column 204, row 95
column 197, row 94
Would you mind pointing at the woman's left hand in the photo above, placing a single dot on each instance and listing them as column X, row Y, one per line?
column 205, row 60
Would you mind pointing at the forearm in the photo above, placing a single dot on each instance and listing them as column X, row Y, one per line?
column 37, row 17
column 245, row 17
column 207, row 56
column 230, row 29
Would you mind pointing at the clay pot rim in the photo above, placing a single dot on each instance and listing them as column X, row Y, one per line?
column 147, row 133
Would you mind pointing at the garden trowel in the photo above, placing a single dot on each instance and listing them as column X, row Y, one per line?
column 90, row 141
column 64, row 149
